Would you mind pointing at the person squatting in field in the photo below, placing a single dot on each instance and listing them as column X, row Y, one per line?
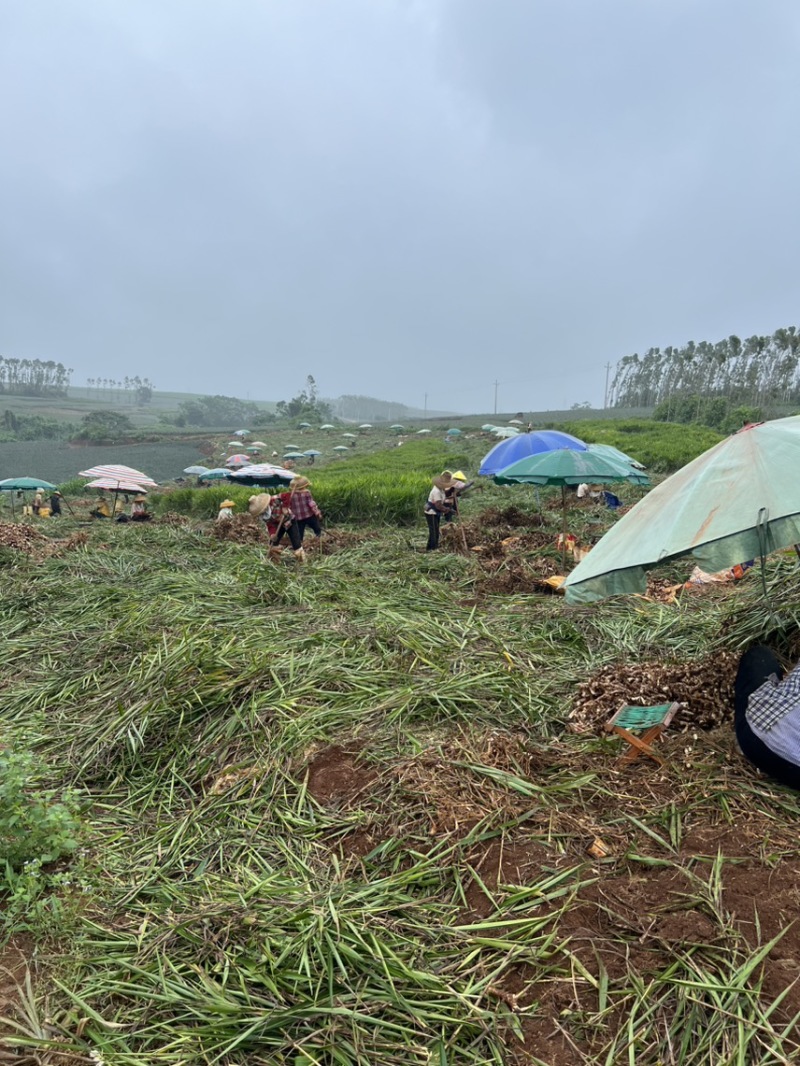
column 276, row 513
column 767, row 715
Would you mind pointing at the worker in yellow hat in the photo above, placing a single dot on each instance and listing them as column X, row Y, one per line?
column 458, row 486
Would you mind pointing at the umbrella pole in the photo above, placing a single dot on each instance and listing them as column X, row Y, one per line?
column 564, row 528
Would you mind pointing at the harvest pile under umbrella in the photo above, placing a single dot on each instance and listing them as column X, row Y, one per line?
column 567, row 466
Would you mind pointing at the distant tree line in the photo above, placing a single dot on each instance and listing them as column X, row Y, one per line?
column 33, row 377
column 33, row 427
column 219, row 411
column 137, row 390
column 367, row 409
column 757, row 372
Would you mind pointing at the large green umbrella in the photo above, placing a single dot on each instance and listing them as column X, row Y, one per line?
column 614, row 453
column 15, row 484
column 739, row 500
column 24, row 484
column 566, row 466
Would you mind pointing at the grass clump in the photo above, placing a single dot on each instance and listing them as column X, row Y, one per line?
column 36, row 824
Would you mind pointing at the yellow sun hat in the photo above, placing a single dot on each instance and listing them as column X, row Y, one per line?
column 459, row 476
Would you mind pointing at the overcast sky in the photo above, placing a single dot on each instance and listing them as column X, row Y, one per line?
column 397, row 196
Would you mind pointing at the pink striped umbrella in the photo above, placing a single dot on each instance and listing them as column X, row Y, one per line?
column 119, row 474
column 115, row 486
column 238, row 460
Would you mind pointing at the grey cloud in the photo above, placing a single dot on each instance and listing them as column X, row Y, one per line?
column 397, row 197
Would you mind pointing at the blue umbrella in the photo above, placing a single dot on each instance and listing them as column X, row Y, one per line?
column 520, row 447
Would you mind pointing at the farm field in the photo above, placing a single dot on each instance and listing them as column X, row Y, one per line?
column 341, row 813
column 58, row 461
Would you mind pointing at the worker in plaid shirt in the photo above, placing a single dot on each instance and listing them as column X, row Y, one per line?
column 767, row 715
column 304, row 507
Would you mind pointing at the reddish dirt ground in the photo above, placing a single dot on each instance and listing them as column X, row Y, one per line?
column 633, row 915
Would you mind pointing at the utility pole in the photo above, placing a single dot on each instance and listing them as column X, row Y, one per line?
column 605, row 395
column 426, row 405
column 496, row 383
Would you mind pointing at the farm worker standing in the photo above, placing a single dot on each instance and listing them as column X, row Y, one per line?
column 226, row 510
column 55, row 503
column 436, row 505
column 304, row 507
column 38, row 500
column 767, row 715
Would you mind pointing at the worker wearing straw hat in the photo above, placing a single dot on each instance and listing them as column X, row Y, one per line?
column 280, row 522
column 304, row 507
column 259, row 506
column 226, row 510
column 436, row 506
column 139, row 512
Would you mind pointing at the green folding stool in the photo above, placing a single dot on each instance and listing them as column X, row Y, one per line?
column 650, row 722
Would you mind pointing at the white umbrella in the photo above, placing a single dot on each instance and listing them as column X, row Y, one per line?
column 423, row 431
column 258, row 444
column 509, row 432
column 263, row 472
column 515, row 422
column 349, row 435
column 365, row 425
column 327, row 426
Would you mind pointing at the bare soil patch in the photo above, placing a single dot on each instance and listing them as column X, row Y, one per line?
column 241, row 529
column 333, row 540
column 338, row 776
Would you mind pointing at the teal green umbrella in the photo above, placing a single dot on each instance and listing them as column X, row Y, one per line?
column 739, row 500
column 17, row 484
column 614, row 453
column 566, row 466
